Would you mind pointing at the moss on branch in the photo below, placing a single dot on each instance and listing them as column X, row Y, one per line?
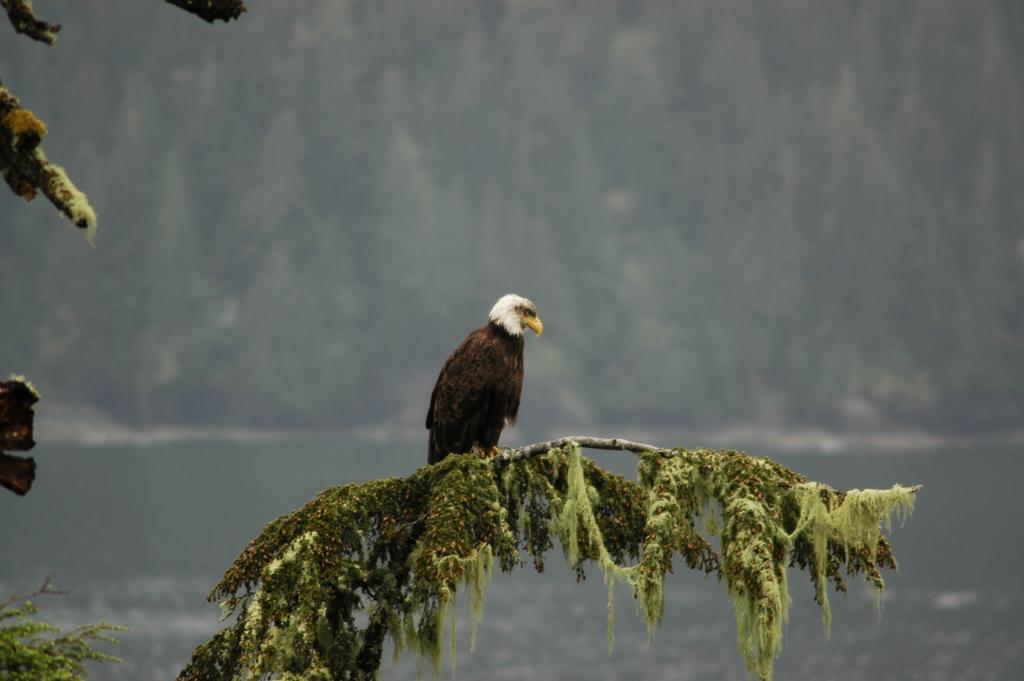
column 23, row 165
column 26, row 169
column 399, row 550
column 23, row 19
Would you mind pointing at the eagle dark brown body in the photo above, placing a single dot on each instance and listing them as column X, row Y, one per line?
column 477, row 393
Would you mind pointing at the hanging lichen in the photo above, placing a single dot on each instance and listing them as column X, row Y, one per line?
column 320, row 590
column 395, row 549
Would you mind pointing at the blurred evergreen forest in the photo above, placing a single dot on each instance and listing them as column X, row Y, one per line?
column 787, row 212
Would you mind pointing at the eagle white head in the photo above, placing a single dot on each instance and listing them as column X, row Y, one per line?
column 514, row 313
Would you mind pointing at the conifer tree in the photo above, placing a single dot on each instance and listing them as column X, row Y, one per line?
column 35, row 651
column 320, row 590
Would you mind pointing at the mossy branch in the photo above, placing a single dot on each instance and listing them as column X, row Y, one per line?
column 23, row 165
column 400, row 549
column 26, row 169
column 24, row 21
column 22, row 15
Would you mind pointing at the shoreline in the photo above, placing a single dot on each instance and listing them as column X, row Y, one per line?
column 75, row 427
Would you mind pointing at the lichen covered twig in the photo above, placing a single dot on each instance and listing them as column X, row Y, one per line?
column 23, row 165
column 24, row 20
column 26, row 169
column 400, row 549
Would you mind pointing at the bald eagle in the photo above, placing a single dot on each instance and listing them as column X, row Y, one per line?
column 477, row 392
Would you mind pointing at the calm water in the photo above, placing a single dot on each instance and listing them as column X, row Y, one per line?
column 140, row 534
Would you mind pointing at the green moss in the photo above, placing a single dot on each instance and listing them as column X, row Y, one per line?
column 400, row 550
column 397, row 549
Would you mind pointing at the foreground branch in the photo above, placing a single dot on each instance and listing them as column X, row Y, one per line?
column 318, row 592
column 23, row 164
column 35, row 650
column 17, row 413
column 24, row 21
column 23, row 18
column 46, row 588
column 26, row 169
column 507, row 456
column 211, row 10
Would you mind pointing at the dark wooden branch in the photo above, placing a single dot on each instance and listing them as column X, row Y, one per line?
column 371, row 651
column 17, row 399
column 26, row 169
column 17, row 473
column 211, row 10
column 24, row 21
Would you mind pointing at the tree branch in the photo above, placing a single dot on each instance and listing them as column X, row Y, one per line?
column 507, row 456
column 367, row 663
column 46, row 588
column 360, row 554
column 17, row 413
column 17, row 473
column 211, row 10
column 17, row 398
column 24, row 21
column 26, row 169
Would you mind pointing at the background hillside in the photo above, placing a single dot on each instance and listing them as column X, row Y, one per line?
column 789, row 213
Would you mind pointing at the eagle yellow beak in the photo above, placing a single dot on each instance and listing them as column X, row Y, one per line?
column 535, row 324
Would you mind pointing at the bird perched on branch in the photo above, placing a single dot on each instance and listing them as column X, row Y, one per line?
column 477, row 392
